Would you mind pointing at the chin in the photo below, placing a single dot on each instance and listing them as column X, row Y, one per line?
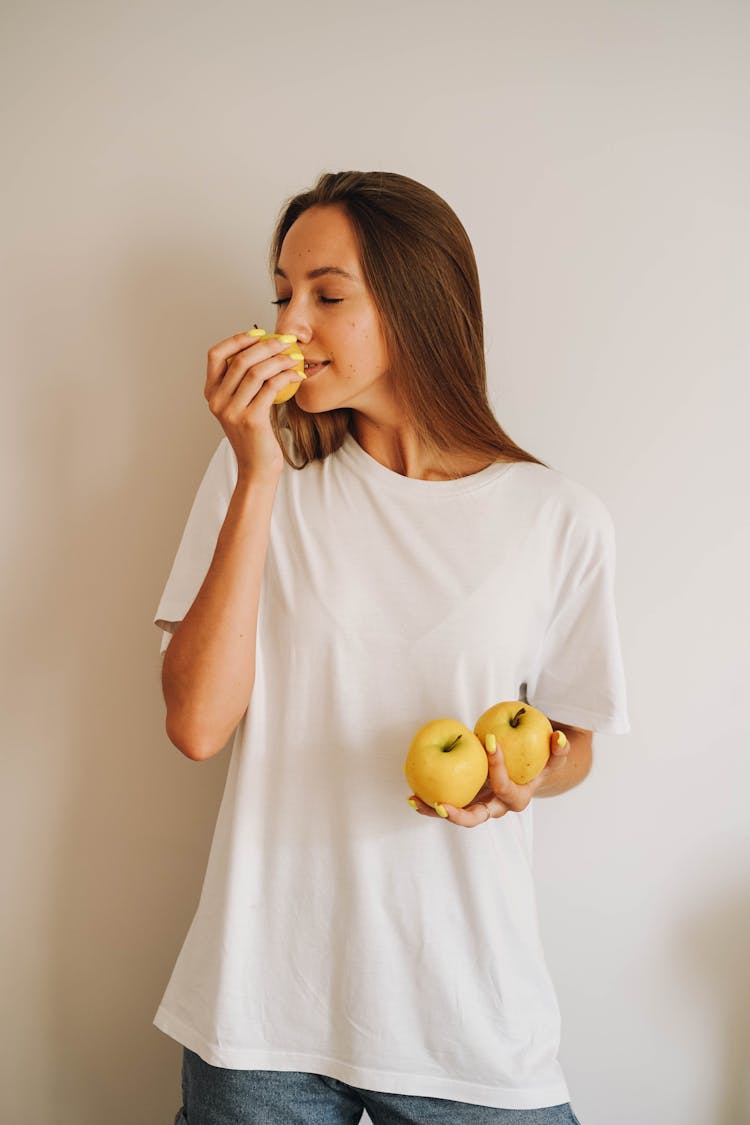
column 307, row 408
column 311, row 403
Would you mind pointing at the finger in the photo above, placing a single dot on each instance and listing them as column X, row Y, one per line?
column 261, row 385
column 559, row 748
column 257, row 394
column 438, row 811
column 243, row 383
column 558, row 743
column 229, row 360
column 498, row 778
column 421, row 806
column 469, row 817
column 515, row 797
column 221, row 354
column 255, row 365
column 559, row 751
column 474, row 815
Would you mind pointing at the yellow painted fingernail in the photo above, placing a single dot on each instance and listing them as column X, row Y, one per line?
column 562, row 741
column 491, row 743
column 287, row 338
column 256, row 332
column 412, row 802
column 440, row 811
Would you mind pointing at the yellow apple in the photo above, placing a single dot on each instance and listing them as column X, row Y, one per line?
column 523, row 735
column 294, row 353
column 446, row 763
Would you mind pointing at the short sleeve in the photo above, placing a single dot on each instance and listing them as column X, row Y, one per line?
column 579, row 677
column 198, row 541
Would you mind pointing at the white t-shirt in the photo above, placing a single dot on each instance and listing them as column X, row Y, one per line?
column 339, row 932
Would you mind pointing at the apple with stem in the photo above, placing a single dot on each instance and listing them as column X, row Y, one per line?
column 446, row 763
column 523, row 734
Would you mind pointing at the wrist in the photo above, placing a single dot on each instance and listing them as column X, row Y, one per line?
column 251, row 479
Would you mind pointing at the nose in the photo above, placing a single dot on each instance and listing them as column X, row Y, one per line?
column 291, row 318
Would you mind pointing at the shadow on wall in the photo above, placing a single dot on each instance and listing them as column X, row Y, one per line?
column 713, row 945
column 121, row 436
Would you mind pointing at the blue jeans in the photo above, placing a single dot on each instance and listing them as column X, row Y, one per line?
column 215, row 1096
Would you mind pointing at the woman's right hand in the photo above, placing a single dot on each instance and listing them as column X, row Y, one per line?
column 243, row 376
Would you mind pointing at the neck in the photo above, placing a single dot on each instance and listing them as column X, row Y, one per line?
column 397, row 447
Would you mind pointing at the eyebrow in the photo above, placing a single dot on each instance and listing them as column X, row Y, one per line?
column 320, row 272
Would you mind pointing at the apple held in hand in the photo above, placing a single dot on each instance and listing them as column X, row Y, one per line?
column 293, row 352
column 446, row 763
column 523, row 735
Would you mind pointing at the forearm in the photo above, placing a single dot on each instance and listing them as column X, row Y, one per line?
column 576, row 765
column 209, row 666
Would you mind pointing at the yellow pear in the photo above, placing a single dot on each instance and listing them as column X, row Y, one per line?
column 523, row 735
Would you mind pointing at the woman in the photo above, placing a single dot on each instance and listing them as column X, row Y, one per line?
column 372, row 554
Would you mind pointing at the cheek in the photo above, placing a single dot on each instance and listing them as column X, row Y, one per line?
column 363, row 346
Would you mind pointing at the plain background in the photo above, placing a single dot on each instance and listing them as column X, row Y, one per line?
column 598, row 156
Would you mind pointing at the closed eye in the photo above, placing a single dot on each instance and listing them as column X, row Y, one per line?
column 323, row 300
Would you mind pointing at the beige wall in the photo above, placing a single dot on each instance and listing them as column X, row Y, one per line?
column 598, row 155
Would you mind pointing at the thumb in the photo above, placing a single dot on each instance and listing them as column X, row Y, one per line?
column 499, row 779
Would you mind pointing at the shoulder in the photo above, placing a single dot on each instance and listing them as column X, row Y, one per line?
column 573, row 510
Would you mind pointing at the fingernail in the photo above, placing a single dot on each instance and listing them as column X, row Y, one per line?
column 412, row 802
column 491, row 743
column 439, row 809
column 287, row 338
column 256, row 332
column 562, row 741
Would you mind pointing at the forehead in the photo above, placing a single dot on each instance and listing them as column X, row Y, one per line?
column 320, row 236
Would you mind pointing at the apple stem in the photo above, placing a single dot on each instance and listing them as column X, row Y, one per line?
column 517, row 717
column 455, row 742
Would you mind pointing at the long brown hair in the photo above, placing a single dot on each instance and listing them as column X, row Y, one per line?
column 419, row 265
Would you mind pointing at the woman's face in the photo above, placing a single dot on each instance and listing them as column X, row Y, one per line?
column 322, row 298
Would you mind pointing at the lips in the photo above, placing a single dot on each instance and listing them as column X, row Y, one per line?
column 312, row 366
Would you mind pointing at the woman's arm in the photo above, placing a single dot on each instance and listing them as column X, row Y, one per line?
column 209, row 665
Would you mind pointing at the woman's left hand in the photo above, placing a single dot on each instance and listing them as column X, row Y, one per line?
column 499, row 794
